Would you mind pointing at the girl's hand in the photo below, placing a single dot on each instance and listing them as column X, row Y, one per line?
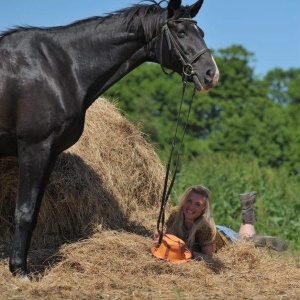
column 198, row 256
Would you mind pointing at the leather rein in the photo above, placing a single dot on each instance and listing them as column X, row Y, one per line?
column 187, row 72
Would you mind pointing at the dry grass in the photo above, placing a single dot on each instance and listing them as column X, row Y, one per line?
column 105, row 190
column 118, row 265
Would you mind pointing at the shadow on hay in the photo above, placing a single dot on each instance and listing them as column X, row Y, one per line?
column 76, row 203
column 215, row 265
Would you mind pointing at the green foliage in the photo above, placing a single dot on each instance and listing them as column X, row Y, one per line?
column 283, row 87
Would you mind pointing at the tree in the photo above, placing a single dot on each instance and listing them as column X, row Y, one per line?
column 283, row 87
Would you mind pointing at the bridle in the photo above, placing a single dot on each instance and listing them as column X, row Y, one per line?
column 187, row 68
column 187, row 72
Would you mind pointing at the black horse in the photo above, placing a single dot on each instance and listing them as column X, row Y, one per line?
column 50, row 76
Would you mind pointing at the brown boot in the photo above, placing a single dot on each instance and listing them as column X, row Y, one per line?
column 247, row 201
column 272, row 242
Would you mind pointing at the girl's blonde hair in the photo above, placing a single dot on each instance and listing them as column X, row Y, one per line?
column 207, row 217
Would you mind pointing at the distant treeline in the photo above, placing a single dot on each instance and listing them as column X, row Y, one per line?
column 242, row 135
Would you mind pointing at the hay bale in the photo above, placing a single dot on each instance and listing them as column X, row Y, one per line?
column 109, row 177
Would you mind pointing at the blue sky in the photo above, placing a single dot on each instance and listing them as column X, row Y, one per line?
column 268, row 28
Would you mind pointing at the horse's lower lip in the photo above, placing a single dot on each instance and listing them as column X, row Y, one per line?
column 198, row 85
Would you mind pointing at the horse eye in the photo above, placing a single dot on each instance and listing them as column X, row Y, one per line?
column 181, row 33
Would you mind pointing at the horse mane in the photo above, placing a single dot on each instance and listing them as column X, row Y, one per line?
column 139, row 15
column 136, row 16
column 52, row 28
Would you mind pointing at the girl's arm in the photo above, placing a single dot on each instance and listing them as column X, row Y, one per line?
column 207, row 252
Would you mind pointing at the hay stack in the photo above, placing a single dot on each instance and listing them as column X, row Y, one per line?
column 110, row 177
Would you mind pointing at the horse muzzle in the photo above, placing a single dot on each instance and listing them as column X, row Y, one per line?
column 204, row 88
column 204, row 81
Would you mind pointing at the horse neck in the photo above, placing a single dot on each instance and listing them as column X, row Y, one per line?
column 104, row 53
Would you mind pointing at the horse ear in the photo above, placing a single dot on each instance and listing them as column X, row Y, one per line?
column 194, row 9
column 173, row 5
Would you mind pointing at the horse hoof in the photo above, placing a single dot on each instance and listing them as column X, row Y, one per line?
column 24, row 278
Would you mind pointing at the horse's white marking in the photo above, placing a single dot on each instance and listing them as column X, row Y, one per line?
column 217, row 73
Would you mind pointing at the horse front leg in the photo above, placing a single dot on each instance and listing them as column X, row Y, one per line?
column 35, row 166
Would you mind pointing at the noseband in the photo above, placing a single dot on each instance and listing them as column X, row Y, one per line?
column 187, row 70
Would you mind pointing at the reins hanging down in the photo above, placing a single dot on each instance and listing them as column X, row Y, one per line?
column 167, row 189
column 187, row 72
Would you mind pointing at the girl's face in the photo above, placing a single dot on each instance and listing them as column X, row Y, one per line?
column 194, row 206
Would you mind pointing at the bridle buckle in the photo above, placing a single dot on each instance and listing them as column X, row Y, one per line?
column 188, row 70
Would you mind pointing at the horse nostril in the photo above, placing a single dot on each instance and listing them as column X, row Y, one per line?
column 208, row 76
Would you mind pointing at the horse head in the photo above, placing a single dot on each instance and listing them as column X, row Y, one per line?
column 181, row 47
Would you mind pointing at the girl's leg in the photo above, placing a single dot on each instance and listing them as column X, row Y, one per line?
column 247, row 230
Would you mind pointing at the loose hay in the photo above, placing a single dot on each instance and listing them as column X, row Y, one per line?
column 112, row 179
column 118, row 265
